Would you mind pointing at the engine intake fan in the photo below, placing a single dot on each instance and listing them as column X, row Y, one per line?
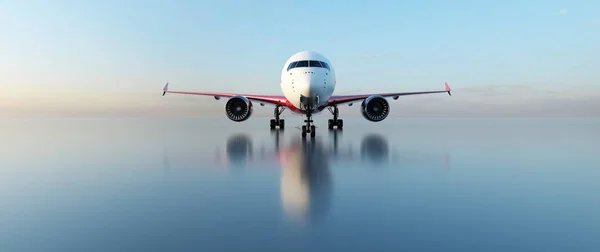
column 238, row 108
column 375, row 108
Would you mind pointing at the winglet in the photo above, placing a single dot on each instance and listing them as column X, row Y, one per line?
column 165, row 89
column 448, row 88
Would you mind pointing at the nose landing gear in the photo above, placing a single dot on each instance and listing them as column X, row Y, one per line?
column 308, row 105
column 308, row 128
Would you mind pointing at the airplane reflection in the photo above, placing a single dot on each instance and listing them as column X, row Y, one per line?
column 306, row 183
column 374, row 148
column 239, row 149
column 306, row 180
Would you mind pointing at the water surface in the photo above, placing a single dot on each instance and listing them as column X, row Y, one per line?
column 215, row 185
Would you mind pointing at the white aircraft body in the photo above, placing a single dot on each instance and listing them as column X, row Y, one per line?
column 307, row 83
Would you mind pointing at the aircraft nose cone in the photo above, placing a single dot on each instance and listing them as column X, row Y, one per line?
column 314, row 87
column 309, row 88
column 310, row 85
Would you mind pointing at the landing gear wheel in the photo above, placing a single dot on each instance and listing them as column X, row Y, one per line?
column 303, row 131
column 335, row 122
column 278, row 122
column 308, row 127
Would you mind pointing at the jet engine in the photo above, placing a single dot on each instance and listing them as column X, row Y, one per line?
column 238, row 108
column 375, row 108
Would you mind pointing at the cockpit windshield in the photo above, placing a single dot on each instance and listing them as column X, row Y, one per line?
column 308, row 63
column 314, row 63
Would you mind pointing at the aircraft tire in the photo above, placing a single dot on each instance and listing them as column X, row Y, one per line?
column 303, row 131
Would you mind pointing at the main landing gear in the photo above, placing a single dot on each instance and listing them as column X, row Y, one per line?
column 308, row 128
column 335, row 122
column 278, row 122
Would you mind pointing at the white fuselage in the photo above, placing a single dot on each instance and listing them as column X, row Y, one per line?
column 306, row 82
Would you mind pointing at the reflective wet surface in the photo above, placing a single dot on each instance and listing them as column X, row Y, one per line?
column 215, row 185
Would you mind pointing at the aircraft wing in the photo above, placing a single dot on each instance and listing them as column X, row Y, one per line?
column 341, row 99
column 271, row 99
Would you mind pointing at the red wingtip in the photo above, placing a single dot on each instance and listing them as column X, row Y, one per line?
column 448, row 88
column 165, row 89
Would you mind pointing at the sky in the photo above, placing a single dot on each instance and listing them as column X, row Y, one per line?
column 112, row 58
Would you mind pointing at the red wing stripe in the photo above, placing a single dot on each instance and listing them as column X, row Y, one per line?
column 264, row 98
column 349, row 98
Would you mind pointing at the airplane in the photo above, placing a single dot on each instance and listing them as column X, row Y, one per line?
column 307, row 83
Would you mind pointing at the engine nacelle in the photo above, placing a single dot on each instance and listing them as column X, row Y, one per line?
column 238, row 108
column 375, row 108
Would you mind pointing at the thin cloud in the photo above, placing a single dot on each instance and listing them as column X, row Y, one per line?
column 563, row 12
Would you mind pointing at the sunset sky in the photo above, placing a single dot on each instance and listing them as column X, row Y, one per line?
column 112, row 58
